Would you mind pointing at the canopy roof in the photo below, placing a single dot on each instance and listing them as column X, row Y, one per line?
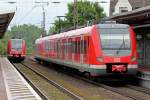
column 5, row 19
column 136, row 17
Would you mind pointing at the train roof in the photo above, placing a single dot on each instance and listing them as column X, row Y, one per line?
column 113, row 26
column 76, row 32
column 15, row 39
column 82, row 31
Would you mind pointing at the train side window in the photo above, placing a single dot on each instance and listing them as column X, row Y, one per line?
column 82, row 46
column 76, row 46
column 57, row 46
column 72, row 44
column 85, row 46
column 49, row 45
column 69, row 45
column 54, row 46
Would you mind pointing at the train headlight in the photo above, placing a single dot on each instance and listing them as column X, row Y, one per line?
column 133, row 58
column 100, row 59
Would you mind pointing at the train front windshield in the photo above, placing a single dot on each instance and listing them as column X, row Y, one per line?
column 115, row 41
column 16, row 44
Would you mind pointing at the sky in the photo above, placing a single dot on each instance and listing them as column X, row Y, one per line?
column 28, row 12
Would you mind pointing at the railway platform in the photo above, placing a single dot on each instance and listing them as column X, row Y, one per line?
column 144, row 72
column 144, row 76
column 12, row 85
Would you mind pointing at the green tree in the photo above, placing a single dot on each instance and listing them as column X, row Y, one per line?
column 3, row 43
column 87, row 11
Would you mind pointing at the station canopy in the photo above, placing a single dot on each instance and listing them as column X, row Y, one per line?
column 139, row 18
column 5, row 18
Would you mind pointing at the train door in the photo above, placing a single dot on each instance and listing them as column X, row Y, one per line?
column 81, row 50
column 77, row 49
column 46, row 48
column 50, row 53
column 52, row 48
column 70, row 46
column 48, row 44
column 66, row 49
column 73, row 50
column 58, row 54
column 63, row 49
column 85, row 50
column 60, row 49
column 55, row 45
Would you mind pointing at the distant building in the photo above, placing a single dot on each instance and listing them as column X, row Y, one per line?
column 120, row 6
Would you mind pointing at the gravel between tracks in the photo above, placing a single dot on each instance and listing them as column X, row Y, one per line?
column 83, row 89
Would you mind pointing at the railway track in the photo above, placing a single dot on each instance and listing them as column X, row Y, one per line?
column 124, row 91
column 42, row 95
column 58, row 86
column 120, row 90
column 141, row 89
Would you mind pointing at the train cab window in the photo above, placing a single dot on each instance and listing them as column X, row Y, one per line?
column 115, row 40
column 17, row 44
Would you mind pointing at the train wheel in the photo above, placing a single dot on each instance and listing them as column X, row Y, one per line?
column 41, row 62
column 45, row 63
column 87, row 75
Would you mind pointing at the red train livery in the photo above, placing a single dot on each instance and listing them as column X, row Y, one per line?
column 16, row 49
column 102, row 49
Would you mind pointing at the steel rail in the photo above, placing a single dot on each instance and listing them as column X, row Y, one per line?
column 71, row 94
column 111, row 88
column 140, row 89
column 44, row 97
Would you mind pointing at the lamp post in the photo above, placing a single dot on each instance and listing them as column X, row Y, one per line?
column 60, row 25
column 43, row 14
column 75, row 13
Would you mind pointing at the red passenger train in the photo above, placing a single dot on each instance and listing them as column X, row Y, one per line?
column 16, row 49
column 102, row 49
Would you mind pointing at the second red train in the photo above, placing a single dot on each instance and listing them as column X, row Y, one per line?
column 16, row 49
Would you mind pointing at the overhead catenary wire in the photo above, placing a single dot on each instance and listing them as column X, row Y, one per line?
column 25, row 16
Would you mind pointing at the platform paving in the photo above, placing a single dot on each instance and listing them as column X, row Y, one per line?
column 3, row 94
column 12, row 85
